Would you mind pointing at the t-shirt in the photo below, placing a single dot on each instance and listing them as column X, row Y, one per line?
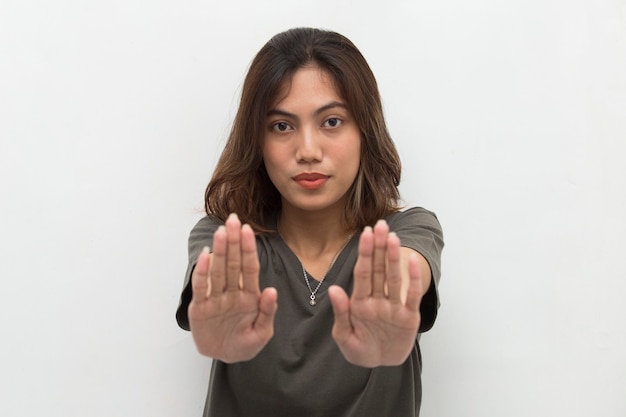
column 301, row 372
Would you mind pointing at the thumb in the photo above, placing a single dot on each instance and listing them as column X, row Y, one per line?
column 267, row 310
column 341, row 308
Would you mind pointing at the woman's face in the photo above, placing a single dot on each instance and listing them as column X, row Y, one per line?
column 312, row 145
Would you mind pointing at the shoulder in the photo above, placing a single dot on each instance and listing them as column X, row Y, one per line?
column 419, row 229
column 207, row 224
column 201, row 235
column 414, row 217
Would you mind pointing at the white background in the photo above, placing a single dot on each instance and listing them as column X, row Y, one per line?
column 510, row 117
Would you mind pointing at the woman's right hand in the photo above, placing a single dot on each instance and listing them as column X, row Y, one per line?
column 230, row 319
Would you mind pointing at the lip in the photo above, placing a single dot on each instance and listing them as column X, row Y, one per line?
column 311, row 180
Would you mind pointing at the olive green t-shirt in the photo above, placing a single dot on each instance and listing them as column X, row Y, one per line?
column 301, row 371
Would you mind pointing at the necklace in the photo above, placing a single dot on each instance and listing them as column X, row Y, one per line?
column 312, row 301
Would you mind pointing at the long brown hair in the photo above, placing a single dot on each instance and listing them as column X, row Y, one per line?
column 240, row 183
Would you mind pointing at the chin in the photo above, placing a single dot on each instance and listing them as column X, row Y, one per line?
column 312, row 205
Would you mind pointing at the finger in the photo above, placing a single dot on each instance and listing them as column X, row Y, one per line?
column 342, row 327
column 394, row 276
column 200, row 277
column 250, row 260
column 379, row 262
column 218, row 263
column 415, row 291
column 267, row 311
column 233, row 253
column 363, row 267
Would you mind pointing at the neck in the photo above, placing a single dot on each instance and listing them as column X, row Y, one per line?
column 312, row 234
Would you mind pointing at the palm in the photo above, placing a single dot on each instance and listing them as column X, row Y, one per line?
column 378, row 325
column 230, row 321
column 230, row 318
column 380, row 330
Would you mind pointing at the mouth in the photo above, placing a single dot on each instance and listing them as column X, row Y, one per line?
column 311, row 180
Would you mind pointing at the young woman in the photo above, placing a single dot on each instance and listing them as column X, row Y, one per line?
column 316, row 286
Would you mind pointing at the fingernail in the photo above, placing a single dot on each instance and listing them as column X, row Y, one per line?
column 206, row 249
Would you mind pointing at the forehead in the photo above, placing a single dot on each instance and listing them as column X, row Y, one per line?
column 307, row 83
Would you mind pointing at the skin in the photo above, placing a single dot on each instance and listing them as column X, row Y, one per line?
column 310, row 130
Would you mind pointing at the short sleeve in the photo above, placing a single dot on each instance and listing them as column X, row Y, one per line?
column 200, row 236
column 420, row 230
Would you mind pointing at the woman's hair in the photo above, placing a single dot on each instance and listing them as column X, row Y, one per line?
column 240, row 183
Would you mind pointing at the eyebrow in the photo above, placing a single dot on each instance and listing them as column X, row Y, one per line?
column 331, row 105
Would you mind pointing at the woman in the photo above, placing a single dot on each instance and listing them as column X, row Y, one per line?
column 317, row 286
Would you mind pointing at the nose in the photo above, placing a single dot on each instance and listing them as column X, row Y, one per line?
column 309, row 146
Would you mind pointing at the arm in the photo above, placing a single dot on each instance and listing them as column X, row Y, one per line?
column 424, row 270
column 420, row 230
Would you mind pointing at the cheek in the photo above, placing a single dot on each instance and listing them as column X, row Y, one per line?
column 268, row 156
column 353, row 156
column 272, row 162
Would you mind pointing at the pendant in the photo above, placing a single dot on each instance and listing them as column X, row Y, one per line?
column 312, row 302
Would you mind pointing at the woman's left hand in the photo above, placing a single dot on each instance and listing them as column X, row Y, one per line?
column 378, row 324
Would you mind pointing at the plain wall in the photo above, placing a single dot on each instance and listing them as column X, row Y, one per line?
column 510, row 117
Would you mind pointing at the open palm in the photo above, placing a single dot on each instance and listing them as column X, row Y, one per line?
column 378, row 324
column 230, row 319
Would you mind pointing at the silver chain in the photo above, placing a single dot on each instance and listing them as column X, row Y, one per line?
column 308, row 284
column 312, row 301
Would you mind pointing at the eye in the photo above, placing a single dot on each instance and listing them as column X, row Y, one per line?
column 332, row 122
column 281, row 127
